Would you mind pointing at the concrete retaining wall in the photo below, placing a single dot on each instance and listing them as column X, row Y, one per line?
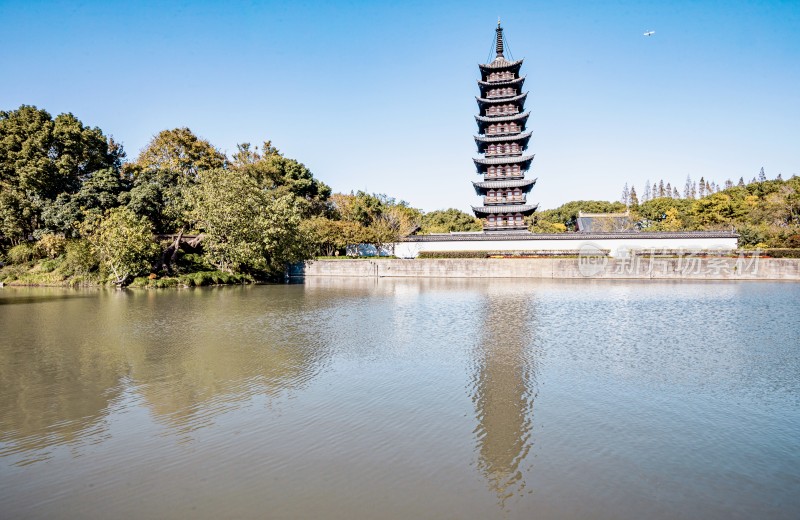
column 697, row 268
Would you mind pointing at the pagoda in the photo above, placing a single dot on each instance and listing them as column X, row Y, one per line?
column 502, row 140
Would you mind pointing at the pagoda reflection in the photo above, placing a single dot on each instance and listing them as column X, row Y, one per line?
column 504, row 389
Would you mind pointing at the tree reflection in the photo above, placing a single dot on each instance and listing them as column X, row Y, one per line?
column 191, row 355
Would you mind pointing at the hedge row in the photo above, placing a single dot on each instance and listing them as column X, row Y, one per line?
column 504, row 254
column 783, row 253
column 453, row 254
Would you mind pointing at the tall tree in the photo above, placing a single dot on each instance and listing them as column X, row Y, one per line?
column 163, row 172
column 123, row 241
column 634, row 202
column 647, row 194
column 272, row 171
column 687, row 188
column 41, row 158
column 626, row 195
column 247, row 229
column 445, row 221
column 761, row 175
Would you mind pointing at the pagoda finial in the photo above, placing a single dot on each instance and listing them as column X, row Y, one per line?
column 499, row 46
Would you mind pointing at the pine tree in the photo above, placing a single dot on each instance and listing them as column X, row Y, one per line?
column 669, row 190
column 634, row 199
column 687, row 189
column 753, row 181
column 647, row 194
column 761, row 175
column 779, row 177
column 702, row 188
column 713, row 188
column 661, row 188
column 741, row 182
column 694, row 190
column 728, row 184
column 675, row 194
column 626, row 195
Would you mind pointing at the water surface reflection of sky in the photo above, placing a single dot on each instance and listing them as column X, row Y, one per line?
column 343, row 398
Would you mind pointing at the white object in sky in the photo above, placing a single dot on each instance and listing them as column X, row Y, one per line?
column 649, row 33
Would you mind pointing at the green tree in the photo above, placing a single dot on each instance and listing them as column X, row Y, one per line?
column 123, row 242
column 42, row 158
column 331, row 236
column 98, row 194
column 567, row 214
column 164, row 172
column 247, row 228
column 448, row 220
column 272, row 171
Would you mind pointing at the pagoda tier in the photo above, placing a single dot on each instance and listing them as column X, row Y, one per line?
column 483, row 142
column 499, row 106
column 501, row 87
column 483, row 164
column 518, row 100
column 524, row 185
column 502, row 140
column 524, row 209
column 511, row 124
column 495, row 70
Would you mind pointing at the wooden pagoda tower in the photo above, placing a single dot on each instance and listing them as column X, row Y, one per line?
column 502, row 140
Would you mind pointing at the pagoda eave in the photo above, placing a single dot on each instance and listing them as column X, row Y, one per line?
column 500, row 100
column 500, row 64
column 516, row 82
column 503, row 160
column 503, row 119
column 524, row 209
column 483, row 142
column 507, row 138
column 525, row 185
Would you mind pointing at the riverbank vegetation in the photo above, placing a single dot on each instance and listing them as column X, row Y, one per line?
column 74, row 209
column 766, row 213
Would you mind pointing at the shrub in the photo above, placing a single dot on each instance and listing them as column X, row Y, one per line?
column 453, row 254
column 48, row 266
column 21, row 254
column 783, row 253
column 51, row 245
column 80, row 258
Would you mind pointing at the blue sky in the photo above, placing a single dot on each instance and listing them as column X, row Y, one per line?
column 379, row 96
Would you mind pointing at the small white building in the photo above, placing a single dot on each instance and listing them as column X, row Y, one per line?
column 618, row 244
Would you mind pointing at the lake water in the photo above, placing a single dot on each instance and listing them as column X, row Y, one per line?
column 363, row 398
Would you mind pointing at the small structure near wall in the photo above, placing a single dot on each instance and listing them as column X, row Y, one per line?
column 618, row 244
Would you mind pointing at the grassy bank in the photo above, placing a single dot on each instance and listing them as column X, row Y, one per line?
column 62, row 272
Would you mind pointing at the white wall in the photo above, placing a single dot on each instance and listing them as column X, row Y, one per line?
column 618, row 246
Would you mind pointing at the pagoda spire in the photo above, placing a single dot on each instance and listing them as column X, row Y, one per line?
column 499, row 45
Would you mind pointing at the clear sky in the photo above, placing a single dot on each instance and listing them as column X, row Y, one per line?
column 379, row 96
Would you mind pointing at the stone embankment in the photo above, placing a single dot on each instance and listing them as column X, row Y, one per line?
column 638, row 267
